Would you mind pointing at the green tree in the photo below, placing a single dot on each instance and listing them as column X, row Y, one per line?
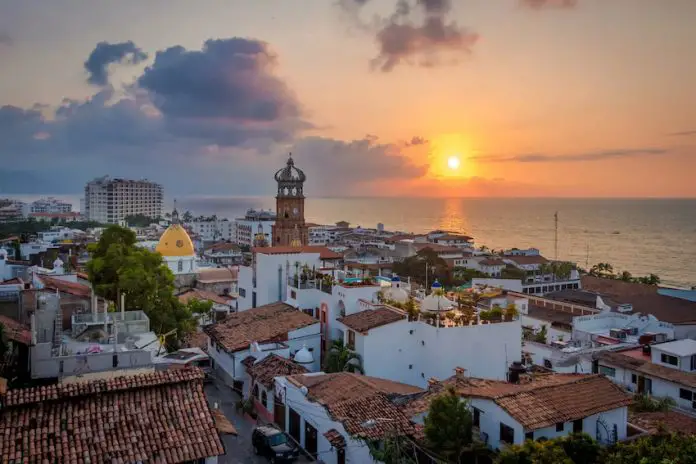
column 200, row 307
column 415, row 267
column 139, row 220
column 573, row 449
column 340, row 358
column 605, row 270
column 541, row 335
column 118, row 265
column 448, row 425
column 626, row 276
column 187, row 216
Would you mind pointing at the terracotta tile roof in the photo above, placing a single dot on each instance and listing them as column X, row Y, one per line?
column 157, row 417
column 71, row 288
column 355, row 399
column 12, row 281
column 267, row 323
column 545, row 400
column 644, row 299
column 437, row 248
column 222, row 423
column 645, row 366
column 248, row 361
column 16, row 331
column 223, row 246
column 673, row 421
column 216, row 275
column 522, row 260
column 198, row 294
column 365, row 320
column 324, row 252
column 335, row 438
column 272, row 366
column 196, row 340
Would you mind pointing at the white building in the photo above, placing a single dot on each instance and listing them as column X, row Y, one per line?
column 451, row 239
column 530, row 408
column 109, row 201
column 12, row 210
column 276, row 328
column 177, row 249
column 265, row 280
column 223, row 254
column 253, row 222
column 50, row 205
column 661, row 370
column 332, row 416
column 214, row 230
column 411, row 352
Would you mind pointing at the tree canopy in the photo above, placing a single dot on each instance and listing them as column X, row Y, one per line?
column 448, row 425
column 119, row 266
column 415, row 268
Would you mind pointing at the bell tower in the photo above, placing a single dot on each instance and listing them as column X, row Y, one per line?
column 290, row 228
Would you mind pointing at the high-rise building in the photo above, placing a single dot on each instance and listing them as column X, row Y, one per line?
column 50, row 205
column 253, row 223
column 110, row 201
column 290, row 228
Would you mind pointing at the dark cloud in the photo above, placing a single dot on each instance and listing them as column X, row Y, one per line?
column 104, row 54
column 416, row 33
column 591, row 156
column 415, row 141
column 541, row 4
column 683, row 133
column 217, row 120
column 337, row 166
column 5, row 39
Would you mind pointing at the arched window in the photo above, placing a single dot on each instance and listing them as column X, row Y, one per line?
column 264, row 399
column 180, row 265
column 255, row 391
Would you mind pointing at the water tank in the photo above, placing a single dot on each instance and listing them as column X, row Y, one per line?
column 647, row 350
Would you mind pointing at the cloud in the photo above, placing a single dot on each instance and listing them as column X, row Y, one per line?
column 541, row 4
column 5, row 39
column 590, row 156
column 214, row 120
column 104, row 54
column 415, row 33
column 415, row 141
column 686, row 133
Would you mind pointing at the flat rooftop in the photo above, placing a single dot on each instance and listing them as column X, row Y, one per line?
column 685, row 347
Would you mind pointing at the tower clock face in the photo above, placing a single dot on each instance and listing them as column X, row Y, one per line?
column 295, row 211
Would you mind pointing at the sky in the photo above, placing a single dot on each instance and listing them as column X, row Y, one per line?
column 502, row 98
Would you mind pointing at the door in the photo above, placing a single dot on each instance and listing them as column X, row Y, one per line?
column 279, row 413
column 341, row 456
column 310, row 439
column 294, row 425
column 641, row 384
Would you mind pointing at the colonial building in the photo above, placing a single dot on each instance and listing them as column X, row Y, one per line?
column 290, row 228
column 178, row 252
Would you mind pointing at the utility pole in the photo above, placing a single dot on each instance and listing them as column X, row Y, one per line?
column 555, row 241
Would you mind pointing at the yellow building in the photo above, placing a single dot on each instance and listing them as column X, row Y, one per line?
column 177, row 249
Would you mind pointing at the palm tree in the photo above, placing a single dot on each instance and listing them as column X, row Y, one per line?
column 626, row 276
column 342, row 359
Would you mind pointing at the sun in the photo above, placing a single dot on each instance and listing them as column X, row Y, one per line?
column 453, row 162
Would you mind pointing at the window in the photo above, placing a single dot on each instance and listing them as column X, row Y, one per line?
column 634, row 379
column 693, row 362
column 351, row 339
column 668, row 359
column 242, row 292
column 577, row 426
column 477, row 417
column 507, row 434
column 608, row 371
column 559, row 426
column 529, row 436
column 114, row 361
column 255, row 391
column 686, row 394
column 264, row 399
column 180, row 266
column 293, row 294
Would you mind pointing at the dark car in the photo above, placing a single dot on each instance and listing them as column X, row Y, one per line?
column 274, row 444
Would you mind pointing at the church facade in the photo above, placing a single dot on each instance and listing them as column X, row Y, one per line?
column 290, row 228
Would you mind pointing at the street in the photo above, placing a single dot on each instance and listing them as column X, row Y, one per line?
column 238, row 449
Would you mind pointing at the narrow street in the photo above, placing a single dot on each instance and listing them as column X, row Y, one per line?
column 238, row 449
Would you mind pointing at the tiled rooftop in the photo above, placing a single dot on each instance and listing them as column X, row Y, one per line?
column 635, row 360
column 71, row 288
column 216, row 275
column 156, row 417
column 355, row 399
column 334, row 437
column 266, row 323
column 363, row 321
column 274, row 366
column 16, row 331
column 543, row 401
column 198, row 294
column 672, row 421
column 324, row 252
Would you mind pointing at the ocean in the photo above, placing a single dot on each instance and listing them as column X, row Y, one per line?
column 641, row 236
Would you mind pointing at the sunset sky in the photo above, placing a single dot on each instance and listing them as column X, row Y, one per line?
column 582, row 98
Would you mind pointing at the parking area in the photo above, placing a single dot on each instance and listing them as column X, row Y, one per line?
column 238, row 449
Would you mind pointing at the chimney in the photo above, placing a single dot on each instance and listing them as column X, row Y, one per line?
column 516, row 369
column 432, row 382
column 459, row 372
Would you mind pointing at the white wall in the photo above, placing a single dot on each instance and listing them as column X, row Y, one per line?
column 357, row 451
column 584, row 326
column 552, row 333
column 540, row 352
column 412, row 352
column 514, row 285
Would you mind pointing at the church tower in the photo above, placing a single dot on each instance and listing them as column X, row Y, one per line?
column 290, row 228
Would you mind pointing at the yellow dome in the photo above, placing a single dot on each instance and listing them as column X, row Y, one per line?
column 175, row 241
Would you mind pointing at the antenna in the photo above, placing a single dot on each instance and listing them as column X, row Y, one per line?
column 587, row 257
column 555, row 240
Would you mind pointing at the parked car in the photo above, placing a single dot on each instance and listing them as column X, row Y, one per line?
column 274, row 444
